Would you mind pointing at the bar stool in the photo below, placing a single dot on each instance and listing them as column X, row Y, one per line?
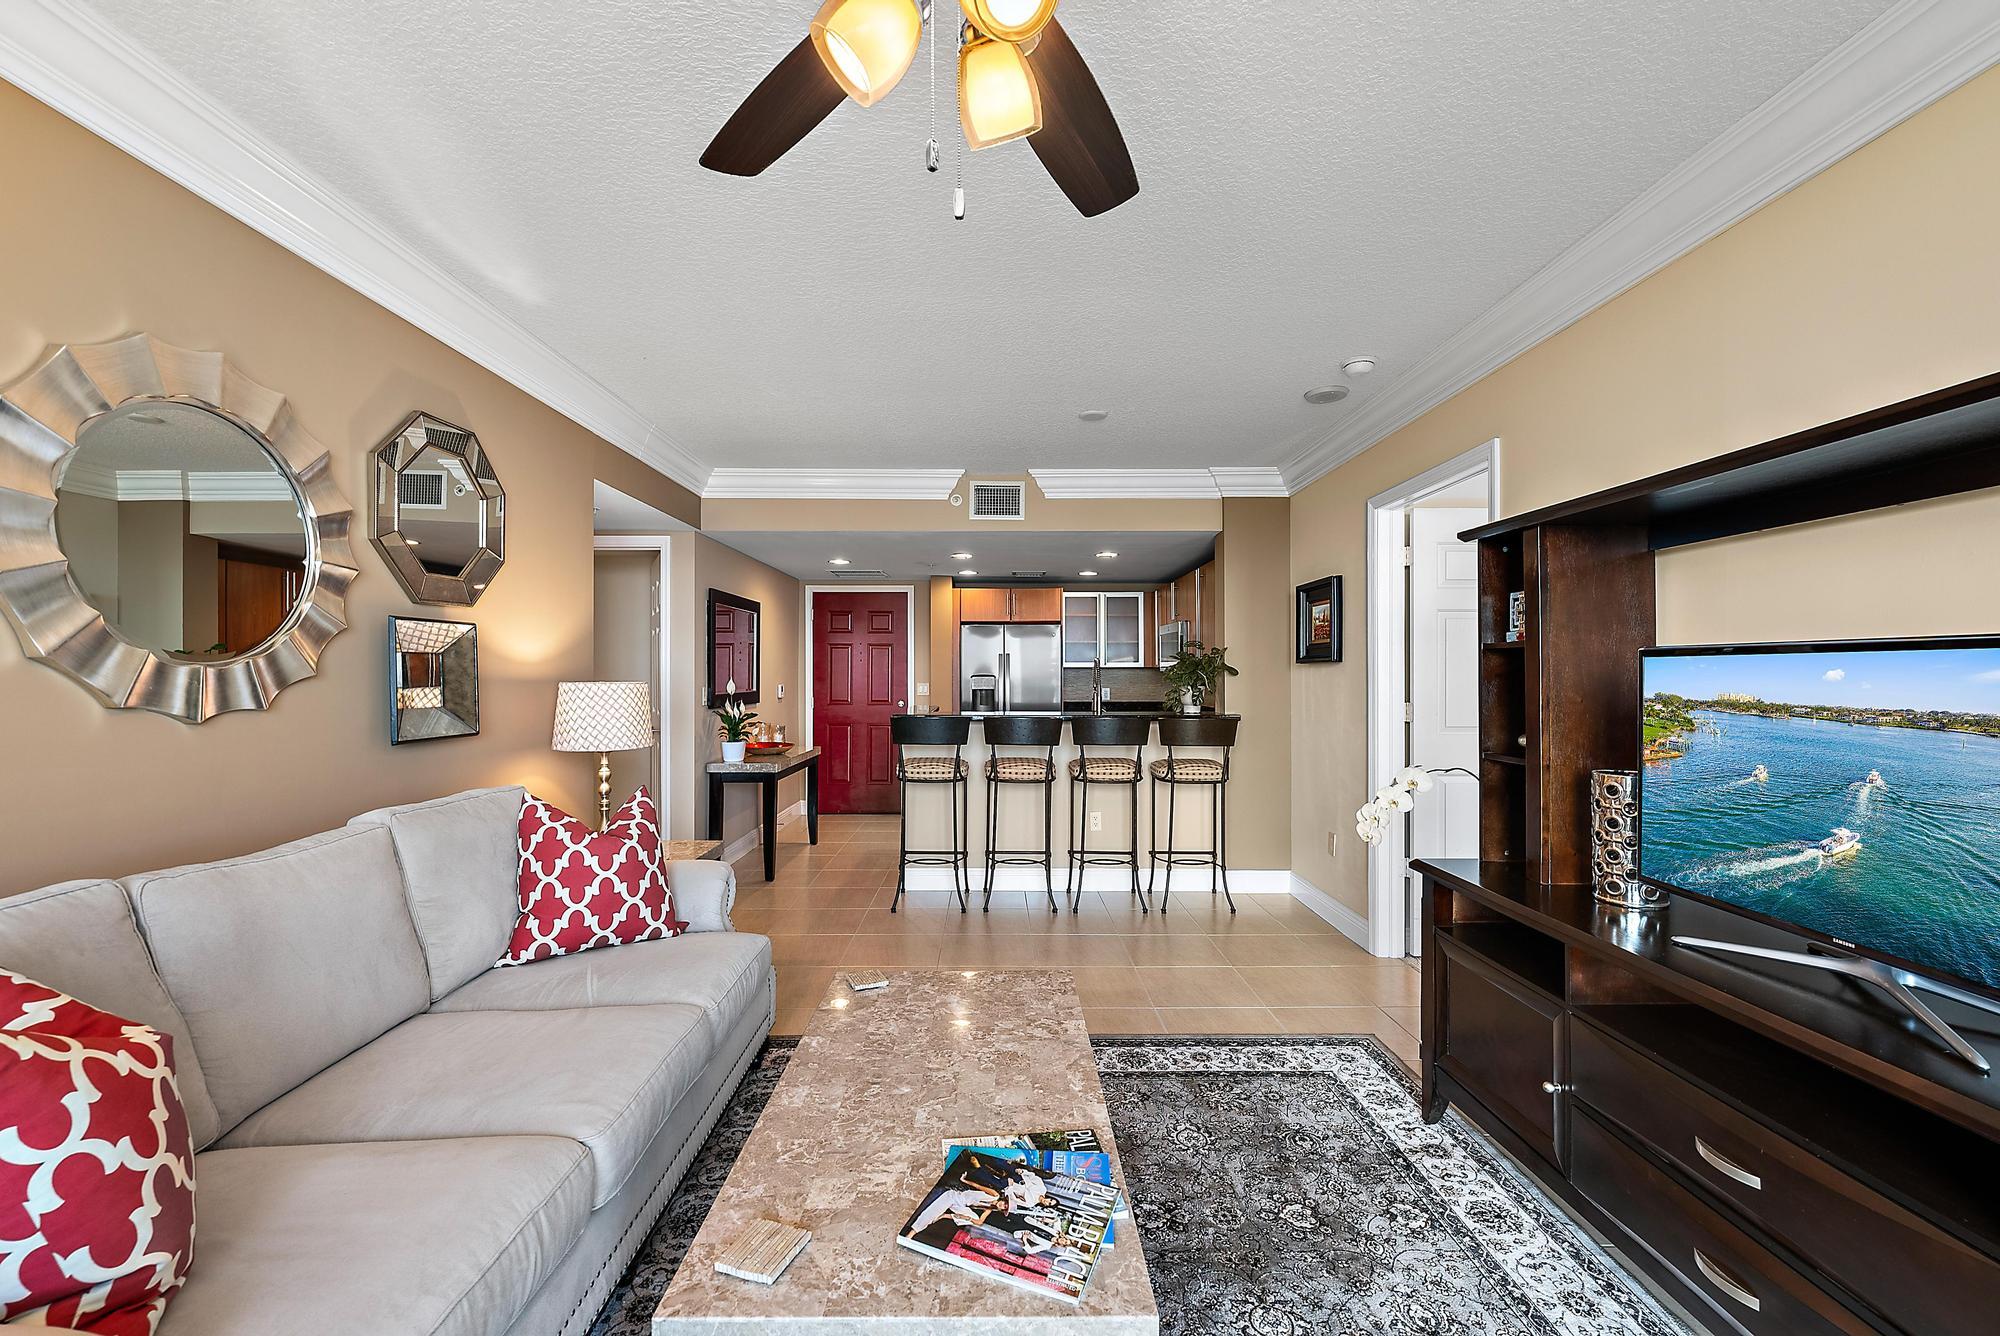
column 933, row 730
column 1119, row 771
column 1211, row 731
column 1021, row 731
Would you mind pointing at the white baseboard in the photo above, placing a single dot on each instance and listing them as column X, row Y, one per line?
column 749, row 841
column 1243, row 881
column 1349, row 923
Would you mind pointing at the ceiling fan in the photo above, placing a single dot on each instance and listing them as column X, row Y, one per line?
column 1019, row 76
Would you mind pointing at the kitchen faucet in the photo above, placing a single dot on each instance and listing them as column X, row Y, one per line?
column 1097, row 684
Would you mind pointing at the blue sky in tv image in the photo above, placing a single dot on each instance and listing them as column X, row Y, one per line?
column 1883, row 832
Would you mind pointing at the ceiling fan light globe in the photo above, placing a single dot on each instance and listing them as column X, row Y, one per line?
column 998, row 98
column 1009, row 20
column 867, row 45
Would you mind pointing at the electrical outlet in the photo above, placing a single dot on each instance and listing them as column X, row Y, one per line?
column 1096, row 822
column 1333, row 844
column 1104, row 693
column 923, row 688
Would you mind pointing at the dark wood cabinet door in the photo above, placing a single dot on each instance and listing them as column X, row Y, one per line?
column 253, row 599
column 984, row 605
column 861, row 660
column 1503, row 1042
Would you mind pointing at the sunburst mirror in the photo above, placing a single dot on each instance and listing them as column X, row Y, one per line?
column 170, row 536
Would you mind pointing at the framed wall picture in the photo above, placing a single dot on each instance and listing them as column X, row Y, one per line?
column 1319, row 621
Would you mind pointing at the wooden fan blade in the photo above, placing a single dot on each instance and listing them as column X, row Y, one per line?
column 1079, row 141
column 793, row 99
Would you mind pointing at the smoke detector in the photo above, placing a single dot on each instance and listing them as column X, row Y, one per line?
column 1358, row 366
column 1330, row 394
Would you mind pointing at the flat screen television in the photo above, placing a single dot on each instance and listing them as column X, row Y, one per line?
column 1851, row 790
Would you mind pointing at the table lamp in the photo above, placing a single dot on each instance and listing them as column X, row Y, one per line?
column 603, row 717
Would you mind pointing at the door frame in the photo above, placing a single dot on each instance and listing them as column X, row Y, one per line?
column 1388, row 674
column 663, row 717
column 909, row 593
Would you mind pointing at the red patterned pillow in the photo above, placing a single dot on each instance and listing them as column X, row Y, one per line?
column 96, row 1166
column 582, row 888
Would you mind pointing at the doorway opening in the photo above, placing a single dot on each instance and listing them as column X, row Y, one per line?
column 1423, row 675
column 860, row 659
column 631, row 627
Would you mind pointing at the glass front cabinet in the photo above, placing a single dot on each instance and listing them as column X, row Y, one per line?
column 1110, row 626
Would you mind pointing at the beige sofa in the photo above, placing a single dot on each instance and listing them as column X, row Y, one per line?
column 393, row 1136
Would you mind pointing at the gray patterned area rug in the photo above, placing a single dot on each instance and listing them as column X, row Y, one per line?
column 1282, row 1187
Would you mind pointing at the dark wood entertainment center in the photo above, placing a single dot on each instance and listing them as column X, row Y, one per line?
column 1782, row 1149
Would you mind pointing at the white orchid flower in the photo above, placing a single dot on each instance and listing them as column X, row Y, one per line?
column 1415, row 778
column 1401, row 800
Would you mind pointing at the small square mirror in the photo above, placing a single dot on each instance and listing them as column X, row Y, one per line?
column 433, row 680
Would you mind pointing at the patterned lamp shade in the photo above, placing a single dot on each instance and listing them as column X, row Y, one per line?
column 603, row 717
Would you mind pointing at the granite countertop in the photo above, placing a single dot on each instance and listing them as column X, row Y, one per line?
column 753, row 765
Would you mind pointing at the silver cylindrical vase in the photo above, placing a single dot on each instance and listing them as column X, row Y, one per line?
column 1614, row 842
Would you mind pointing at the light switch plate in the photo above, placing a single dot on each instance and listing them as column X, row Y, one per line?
column 781, row 691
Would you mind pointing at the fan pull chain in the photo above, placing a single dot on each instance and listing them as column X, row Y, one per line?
column 931, row 145
column 958, row 141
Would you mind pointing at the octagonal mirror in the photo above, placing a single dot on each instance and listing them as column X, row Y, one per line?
column 440, row 513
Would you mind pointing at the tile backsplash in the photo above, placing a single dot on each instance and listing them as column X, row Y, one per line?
column 1128, row 684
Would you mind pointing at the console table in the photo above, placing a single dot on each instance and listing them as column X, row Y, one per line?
column 768, row 774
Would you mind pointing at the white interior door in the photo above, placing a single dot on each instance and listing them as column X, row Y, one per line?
column 1444, row 685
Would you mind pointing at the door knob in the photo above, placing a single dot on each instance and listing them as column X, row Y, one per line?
column 1552, row 1088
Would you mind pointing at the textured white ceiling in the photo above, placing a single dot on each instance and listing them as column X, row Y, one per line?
column 1317, row 181
column 1143, row 557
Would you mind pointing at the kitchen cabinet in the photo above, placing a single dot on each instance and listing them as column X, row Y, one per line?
column 1010, row 605
column 1190, row 599
column 1111, row 626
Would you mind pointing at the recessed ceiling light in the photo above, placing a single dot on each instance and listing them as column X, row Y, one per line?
column 838, row 561
column 968, row 572
column 1358, row 366
column 1331, row 394
column 1093, row 415
column 1087, row 575
column 961, row 556
column 1106, row 556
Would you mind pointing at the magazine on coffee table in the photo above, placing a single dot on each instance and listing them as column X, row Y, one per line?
column 1078, row 1138
column 1093, row 1165
column 994, row 1215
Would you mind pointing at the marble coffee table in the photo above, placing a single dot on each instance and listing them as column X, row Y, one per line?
column 850, row 1143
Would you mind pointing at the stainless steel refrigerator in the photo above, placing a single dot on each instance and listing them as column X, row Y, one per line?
column 1027, row 659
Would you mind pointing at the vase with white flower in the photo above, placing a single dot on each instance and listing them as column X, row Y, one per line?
column 1396, row 797
column 735, row 730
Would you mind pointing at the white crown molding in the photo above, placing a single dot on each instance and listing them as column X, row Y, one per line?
column 1895, row 67
column 1157, row 484
column 839, row 484
column 1250, row 482
column 175, row 485
column 98, row 78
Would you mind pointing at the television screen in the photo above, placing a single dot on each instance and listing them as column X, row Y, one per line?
column 1851, row 791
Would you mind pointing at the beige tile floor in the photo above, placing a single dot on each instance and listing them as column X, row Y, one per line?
column 1273, row 968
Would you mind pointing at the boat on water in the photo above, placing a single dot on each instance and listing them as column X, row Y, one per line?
column 1842, row 841
column 1875, row 780
column 1760, row 774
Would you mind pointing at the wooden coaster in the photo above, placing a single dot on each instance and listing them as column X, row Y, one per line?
column 762, row 1251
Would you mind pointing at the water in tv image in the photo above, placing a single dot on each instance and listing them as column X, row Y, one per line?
column 1856, row 794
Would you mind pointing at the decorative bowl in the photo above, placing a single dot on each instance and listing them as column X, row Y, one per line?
column 769, row 748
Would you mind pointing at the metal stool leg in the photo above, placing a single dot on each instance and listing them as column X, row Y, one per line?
column 992, row 835
column 1153, row 839
column 1049, row 837
column 1172, row 791
column 962, row 869
column 1135, row 836
column 902, row 842
column 1222, row 843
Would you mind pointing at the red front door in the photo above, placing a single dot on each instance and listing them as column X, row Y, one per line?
column 861, row 666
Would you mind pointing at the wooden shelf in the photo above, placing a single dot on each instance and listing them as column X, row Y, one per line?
column 1505, row 644
column 1504, row 758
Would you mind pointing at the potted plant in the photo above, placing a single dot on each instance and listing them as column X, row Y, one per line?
column 1193, row 676
column 735, row 731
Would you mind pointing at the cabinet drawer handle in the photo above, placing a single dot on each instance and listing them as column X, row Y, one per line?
column 1727, row 1283
column 1724, row 1165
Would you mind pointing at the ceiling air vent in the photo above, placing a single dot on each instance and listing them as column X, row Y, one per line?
column 420, row 491
column 999, row 500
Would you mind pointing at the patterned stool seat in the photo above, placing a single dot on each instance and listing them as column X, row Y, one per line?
column 1189, row 770
column 933, row 769
column 1020, row 769
column 1105, row 769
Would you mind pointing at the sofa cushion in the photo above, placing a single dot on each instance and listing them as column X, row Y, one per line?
column 723, row 973
column 604, row 1076
column 285, row 961
column 96, row 1169
column 582, row 889
column 380, row 1239
column 461, row 871
column 79, row 938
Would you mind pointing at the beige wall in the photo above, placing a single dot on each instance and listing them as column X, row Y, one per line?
column 98, row 246
column 1873, row 282
column 625, row 648
column 1255, row 609
column 698, row 564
